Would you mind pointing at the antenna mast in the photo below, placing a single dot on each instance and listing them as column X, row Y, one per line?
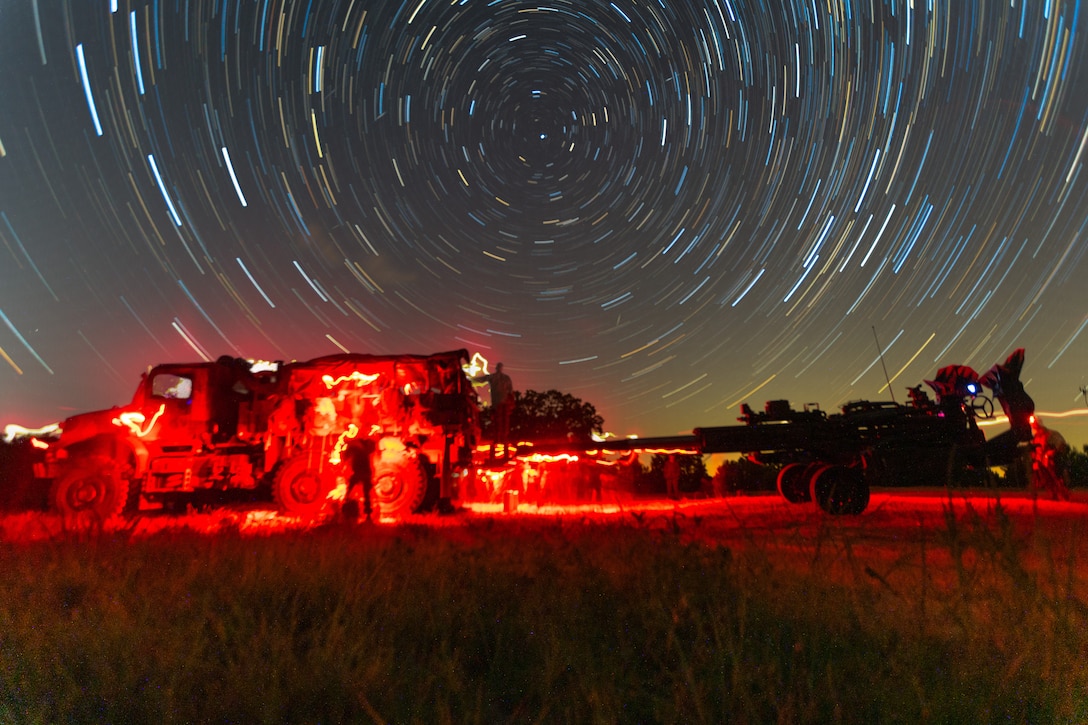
column 880, row 351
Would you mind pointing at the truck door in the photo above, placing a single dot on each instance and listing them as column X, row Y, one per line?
column 178, row 397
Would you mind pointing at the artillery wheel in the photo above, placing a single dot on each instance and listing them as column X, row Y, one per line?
column 982, row 407
column 93, row 490
column 300, row 491
column 398, row 484
column 793, row 483
column 839, row 490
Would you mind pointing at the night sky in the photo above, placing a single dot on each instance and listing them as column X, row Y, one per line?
column 664, row 208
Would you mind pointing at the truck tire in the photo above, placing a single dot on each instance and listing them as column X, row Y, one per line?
column 840, row 490
column 793, row 483
column 300, row 491
column 92, row 490
column 398, row 486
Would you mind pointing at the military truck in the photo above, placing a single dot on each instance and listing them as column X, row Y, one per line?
column 392, row 431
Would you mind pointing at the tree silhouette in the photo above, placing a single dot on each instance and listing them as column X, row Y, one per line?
column 553, row 416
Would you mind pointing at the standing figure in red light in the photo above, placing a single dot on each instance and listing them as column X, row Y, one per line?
column 1048, row 447
column 672, row 476
column 502, row 405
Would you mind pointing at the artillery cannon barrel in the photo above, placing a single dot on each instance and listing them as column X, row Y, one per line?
column 678, row 444
column 819, row 437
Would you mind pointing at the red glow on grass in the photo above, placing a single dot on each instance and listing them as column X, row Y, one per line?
column 891, row 516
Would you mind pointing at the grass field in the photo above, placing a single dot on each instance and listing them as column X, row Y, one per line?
column 748, row 611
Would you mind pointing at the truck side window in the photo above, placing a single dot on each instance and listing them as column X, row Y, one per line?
column 173, row 387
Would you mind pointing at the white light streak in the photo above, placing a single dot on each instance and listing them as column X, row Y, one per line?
column 310, row 282
column 254, row 282
column 22, row 339
column 416, row 11
column 878, row 234
column 197, row 348
column 136, row 52
column 162, row 189
column 87, row 88
column 319, row 71
column 233, row 176
column 749, row 287
column 865, row 189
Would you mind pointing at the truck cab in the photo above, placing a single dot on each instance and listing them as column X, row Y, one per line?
column 189, row 426
column 204, row 404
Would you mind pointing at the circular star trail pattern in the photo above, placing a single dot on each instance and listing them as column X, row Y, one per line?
column 665, row 209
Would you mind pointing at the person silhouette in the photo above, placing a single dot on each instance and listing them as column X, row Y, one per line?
column 502, row 404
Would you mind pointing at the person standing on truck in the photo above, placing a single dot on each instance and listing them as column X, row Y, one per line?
column 502, row 404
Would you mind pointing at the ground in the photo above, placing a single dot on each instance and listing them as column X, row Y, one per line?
column 894, row 517
column 931, row 606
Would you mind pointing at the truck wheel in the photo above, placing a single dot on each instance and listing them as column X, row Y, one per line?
column 300, row 491
column 399, row 485
column 92, row 490
column 793, row 483
column 840, row 490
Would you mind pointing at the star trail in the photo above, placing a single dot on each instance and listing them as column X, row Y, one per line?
column 664, row 208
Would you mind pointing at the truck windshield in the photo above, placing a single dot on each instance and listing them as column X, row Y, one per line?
column 174, row 387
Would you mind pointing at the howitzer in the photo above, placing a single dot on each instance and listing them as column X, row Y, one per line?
column 833, row 460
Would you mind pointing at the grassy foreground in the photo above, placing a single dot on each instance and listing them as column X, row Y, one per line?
column 501, row 621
